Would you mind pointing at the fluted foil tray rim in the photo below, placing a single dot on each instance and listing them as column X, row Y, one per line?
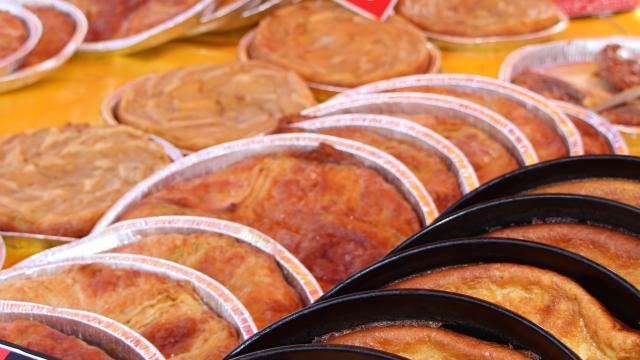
column 34, row 27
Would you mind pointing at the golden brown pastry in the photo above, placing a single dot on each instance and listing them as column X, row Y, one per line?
column 204, row 105
column 615, row 250
column 113, row 19
column 252, row 275
column 13, row 34
column 622, row 190
column 627, row 114
column 57, row 30
column 328, row 44
column 424, row 343
column 594, row 142
column 481, row 18
column 550, row 86
column 60, row 181
column 169, row 313
column 319, row 204
column 554, row 302
column 434, row 173
column 48, row 341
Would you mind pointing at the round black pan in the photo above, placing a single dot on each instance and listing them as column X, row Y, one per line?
column 319, row 352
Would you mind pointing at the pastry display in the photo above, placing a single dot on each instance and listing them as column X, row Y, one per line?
column 252, row 275
column 48, row 341
column 122, row 18
column 328, row 44
column 204, row 105
column 57, row 30
column 318, row 203
column 550, row 300
column 621, row 190
column 481, row 18
column 169, row 313
column 425, row 342
column 13, row 34
column 594, row 142
column 60, row 181
column 617, row 251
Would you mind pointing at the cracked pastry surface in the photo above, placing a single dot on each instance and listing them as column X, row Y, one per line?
column 253, row 276
column 550, row 300
column 168, row 313
column 113, row 19
column 424, row 343
column 621, row 190
column 46, row 340
column 60, row 181
column 481, row 18
column 13, row 34
column 317, row 203
column 617, row 251
column 57, row 30
column 204, row 105
column 328, row 44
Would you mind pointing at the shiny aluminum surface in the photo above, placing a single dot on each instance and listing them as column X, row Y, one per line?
column 9, row 63
column 236, row 15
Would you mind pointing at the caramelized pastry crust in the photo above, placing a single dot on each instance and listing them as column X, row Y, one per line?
column 250, row 274
column 328, row 44
column 550, row 86
column 627, row 114
column 170, row 314
column 115, row 19
column 434, row 173
column 475, row 18
column 594, row 142
column 57, row 30
column 615, row 250
column 622, row 190
column 204, row 105
column 60, row 181
column 620, row 72
column 548, row 299
column 425, row 343
column 45, row 340
column 13, row 34
column 336, row 215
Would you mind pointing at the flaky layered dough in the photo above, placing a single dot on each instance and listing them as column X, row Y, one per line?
column 622, row 190
column 615, row 250
column 60, row 181
column 250, row 274
column 477, row 18
column 328, row 44
column 204, row 105
column 425, row 343
column 57, row 30
column 13, row 34
column 488, row 157
column 594, row 142
column 45, row 340
column 434, row 173
column 331, row 212
column 548, row 299
column 115, row 19
column 169, row 313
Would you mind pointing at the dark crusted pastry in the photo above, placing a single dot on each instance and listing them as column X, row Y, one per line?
column 622, row 73
column 628, row 114
column 594, row 142
column 13, row 34
column 57, row 30
column 550, row 86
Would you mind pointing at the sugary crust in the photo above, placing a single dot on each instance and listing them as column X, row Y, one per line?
column 170, row 314
column 331, row 212
column 594, row 142
column 13, row 34
column 204, row 105
column 57, row 30
column 45, row 340
column 328, row 44
column 617, row 251
column 550, row 300
column 250, row 274
column 60, row 181
column 425, row 343
column 481, row 18
column 622, row 190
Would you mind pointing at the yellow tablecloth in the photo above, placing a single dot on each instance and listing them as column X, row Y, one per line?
column 73, row 94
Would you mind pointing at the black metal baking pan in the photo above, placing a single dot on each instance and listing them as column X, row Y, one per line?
column 319, row 352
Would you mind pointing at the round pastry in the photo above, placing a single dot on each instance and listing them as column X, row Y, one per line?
column 201, row 106
column 328, row 44
column 13, row 33
column 548, row 299
column 57, row 30
column 253, row 276
column 481, row 18
column 45, row 340
column 60, row 181
column 622, row 190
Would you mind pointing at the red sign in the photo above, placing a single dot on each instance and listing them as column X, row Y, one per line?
column 373, row 9
column 575, row 8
